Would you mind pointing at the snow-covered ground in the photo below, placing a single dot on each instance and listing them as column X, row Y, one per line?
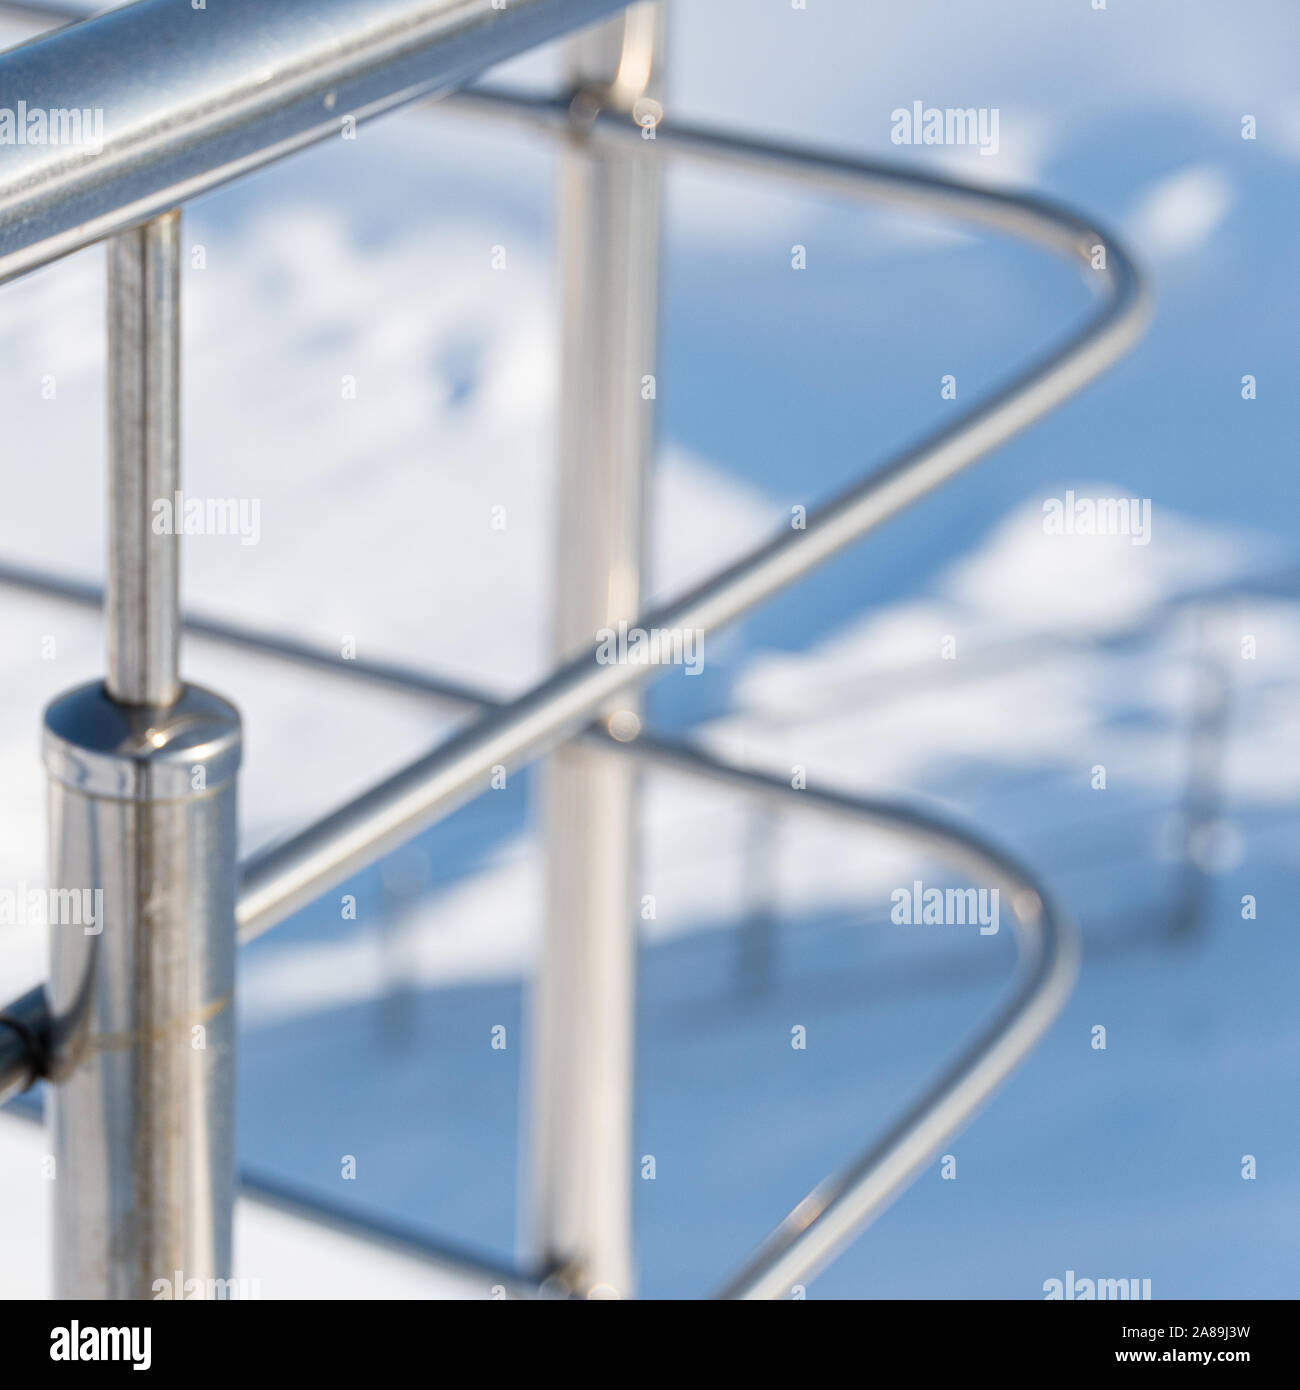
column 371, row 260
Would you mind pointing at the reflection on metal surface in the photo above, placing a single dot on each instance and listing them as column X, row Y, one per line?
column 142, row 1030
column 230, row 88
column 144, row 357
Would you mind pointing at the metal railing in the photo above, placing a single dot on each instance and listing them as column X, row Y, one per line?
column 143, row 766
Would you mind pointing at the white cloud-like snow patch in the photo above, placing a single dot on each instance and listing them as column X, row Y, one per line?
column 1181, row 212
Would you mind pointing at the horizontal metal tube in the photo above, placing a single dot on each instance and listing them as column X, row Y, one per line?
column 1050, row 225
column 290, row 875
column 456, row 695
column 172, row 101
column 451, row 695
column 84, row 594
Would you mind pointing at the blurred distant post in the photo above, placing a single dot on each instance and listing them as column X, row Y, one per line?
column 584, row 1000
column 1202, row 827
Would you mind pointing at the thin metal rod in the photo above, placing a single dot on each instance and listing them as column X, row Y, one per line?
column 583, row 1004
column 446, row 693
column 290, row 875
column 894, row 182
column 450, row 694
column 143, row 588
column 837, row 1210
column 492, row 1278
column 461, row 1262
column 229, row 88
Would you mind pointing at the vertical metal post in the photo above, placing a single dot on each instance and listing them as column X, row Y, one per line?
column 585, row 997
column 143, row 867
column 142, row 596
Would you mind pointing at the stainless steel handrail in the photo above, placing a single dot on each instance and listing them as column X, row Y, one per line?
column 222, row 107
column 225, row 90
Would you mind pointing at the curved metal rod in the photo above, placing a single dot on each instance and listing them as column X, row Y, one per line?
column 836, row 1211
column 293, row 873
